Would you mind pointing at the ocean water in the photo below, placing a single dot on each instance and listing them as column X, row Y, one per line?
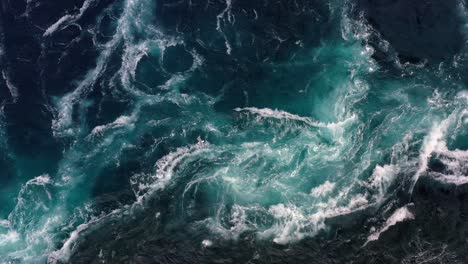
column 231, row 131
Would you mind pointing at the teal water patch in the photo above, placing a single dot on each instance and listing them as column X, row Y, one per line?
column 200, row 136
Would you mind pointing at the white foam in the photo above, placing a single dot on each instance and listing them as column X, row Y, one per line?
column 10, row 237
column 4, row 223
column 174, row 81
column 400, row 215
column 24, row 203
column 57, row 24
column 323, row 189
column 165, row 166
column 294, row 223
column 65, row 251
column 148, row 184
column 130, row 59
column 207, row 243
column 283, row 115
column 133, row 18
column 277, row 114
column 452, row 179
column 119, row 122
column 67, row 19
column 231, row 19
column 41, row 180
column 432, row 142
column 134, row 52
column 290, row 225
column 383, row 177
column 238, row 221
column 11, row 87
column 463, row 95
column 354, row 29
column 62, row 124
column 456, row 161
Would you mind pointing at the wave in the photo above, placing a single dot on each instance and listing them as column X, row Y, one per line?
column 148, row 135
column 14, row 92
column 400, row 215
column 283, row 115
column 68, row 19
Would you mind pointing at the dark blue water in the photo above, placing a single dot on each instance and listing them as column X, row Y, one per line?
column 230, row 131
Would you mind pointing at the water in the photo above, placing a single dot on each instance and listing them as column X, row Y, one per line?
column 226, row 131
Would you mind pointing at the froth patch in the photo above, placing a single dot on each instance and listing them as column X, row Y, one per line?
column 400, row 215
column 207, row 243
column 283, row 115
column 323, row 189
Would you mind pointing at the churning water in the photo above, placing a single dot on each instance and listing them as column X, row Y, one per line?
column 231, row 131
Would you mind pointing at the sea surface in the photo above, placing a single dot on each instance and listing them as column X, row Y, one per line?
column 233, row 131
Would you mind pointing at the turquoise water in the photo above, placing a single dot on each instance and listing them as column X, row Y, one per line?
column 232, row 130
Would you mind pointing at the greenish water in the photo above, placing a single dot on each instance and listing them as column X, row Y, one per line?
column 231, row 128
